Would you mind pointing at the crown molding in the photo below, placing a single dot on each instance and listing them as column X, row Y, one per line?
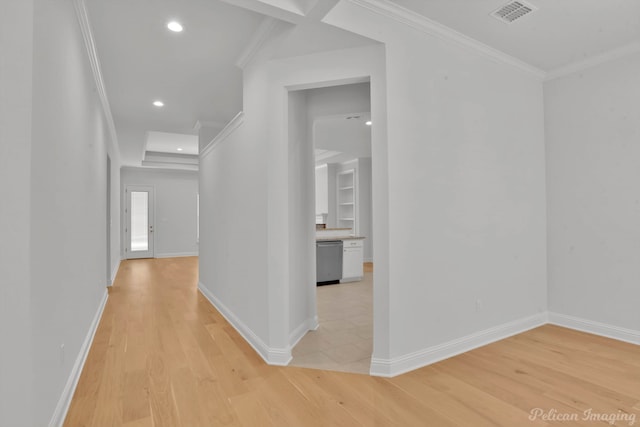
column 169, row 166
column 433, row 28
column 224, row 134
column 92, row 53
column 594, row 61
column 258, row 40
column 162, row 167
column 199, row 124
column 177, row 158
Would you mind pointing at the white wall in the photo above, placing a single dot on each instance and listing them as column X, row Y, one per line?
column 466, row 179
column 344, row 135
column 16, row 55
column 175, row 208
column 68, row 203
column 592, row 128
column 326, row 192
column 302, row 283
column 332, row 101
column 322, row 189
column 114, row 233
column 338, row 100
column 249, row 191
column 233, row 232
column 458, row 184
column 467, row 195
column 365, row 207
column 300, row 73
column 206, row 133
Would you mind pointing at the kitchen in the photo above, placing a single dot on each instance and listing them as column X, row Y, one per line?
column 343, row 220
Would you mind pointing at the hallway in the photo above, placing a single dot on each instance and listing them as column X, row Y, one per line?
column 163, row 356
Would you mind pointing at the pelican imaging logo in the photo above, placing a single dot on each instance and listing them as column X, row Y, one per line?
column 588, row 415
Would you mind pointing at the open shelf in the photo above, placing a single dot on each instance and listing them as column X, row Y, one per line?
column 346, row 184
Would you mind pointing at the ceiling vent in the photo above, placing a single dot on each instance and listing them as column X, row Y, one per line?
column 513, row 11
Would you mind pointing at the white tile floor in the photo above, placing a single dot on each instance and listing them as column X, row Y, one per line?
column 344, row 340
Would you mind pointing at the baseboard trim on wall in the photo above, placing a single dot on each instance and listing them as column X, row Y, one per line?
column 64, row 402
column 427, row 356
column 176, row 254
column 273, row 356
column 114, row 273
column 596, row 328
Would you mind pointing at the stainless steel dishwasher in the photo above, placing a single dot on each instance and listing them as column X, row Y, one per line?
column 328, row 262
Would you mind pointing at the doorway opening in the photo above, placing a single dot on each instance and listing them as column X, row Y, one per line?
column 139, row 214
column 335, row 161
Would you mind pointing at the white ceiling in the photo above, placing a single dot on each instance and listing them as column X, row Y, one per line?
column 195, row 74
column 166, row 142
column 345, row 134
column 192, row 72
column 559, row 33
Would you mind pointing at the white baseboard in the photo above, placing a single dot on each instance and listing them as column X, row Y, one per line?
column 427, row 356
column 114, row 273
column 273, row 356
column 596, row 328
column 62, row 407
column 175, row 254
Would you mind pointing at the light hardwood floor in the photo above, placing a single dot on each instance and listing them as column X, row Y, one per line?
column 163, row 356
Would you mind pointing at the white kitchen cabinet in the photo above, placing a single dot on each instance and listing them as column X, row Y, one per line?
column 352, row 260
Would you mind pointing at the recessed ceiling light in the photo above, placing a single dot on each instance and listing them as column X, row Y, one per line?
column 368, row 123
column 179, row 149
column 174, row 26
column 158, row 103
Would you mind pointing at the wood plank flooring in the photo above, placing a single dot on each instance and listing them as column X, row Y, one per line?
column 163, row 356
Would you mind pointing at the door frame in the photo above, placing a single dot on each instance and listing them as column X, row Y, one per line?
column 127, row 220
column 108, row 222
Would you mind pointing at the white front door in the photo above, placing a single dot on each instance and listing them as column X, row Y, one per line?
column 139, row 221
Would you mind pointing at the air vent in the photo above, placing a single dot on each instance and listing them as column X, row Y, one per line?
column 513, row 11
